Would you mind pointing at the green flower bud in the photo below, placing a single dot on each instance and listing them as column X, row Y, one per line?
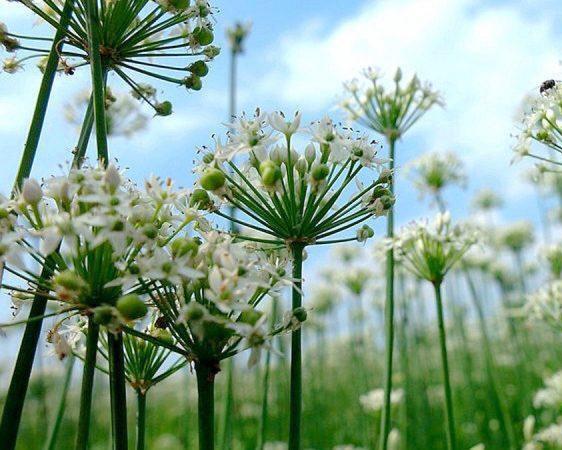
column 150, row 231
column 385, row 177
column 70, row 280
column 320, row 172
column 163, row 109
column 266, row 165
column 208, row 158
column 301, row 166
column 300, row 314
column 271, row 176
column 184, row 246
column 203, row 36
column 199, row 68
column 131, row 307
column 193, row 82
column 212, row 179
column 200, row 199
column 103, row 315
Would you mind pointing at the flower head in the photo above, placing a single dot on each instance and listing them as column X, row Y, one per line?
column 430, row 250
column 390, row 112
column 296, row 195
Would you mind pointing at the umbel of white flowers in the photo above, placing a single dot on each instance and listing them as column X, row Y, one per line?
column 290, row 195
column 541, row 128
column 390, row 112
column 430, row 250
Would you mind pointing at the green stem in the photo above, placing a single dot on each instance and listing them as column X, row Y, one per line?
column 450, row 420
column 295, row 407
column 226, row 432
column 87, row 386
column 98, row 83
column 85, row 133
column 13, row 406
column 388, row 314
column 491, row 366
column 206, row 405
column 117, row 391
column 43, row 96
column 141, row 419
column 262, row 431
column 54, row 432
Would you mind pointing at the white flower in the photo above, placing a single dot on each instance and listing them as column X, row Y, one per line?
column 31, row 191
column 112, row 177
column 374, row 400
column 278, row 121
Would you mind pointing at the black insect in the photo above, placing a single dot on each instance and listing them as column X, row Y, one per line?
column 547, row 85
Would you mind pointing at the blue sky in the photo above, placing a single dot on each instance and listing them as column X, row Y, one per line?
column 484, row 56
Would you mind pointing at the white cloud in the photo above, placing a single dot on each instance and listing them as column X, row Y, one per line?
column 484, row 60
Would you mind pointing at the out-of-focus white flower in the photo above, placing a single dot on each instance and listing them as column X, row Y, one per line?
column 374, row 400
column 546, row 304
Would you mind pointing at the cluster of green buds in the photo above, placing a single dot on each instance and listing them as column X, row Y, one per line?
column 292, row 196
column 390, row 112
column 136, row 39
column 429, row 251
column 542, row 128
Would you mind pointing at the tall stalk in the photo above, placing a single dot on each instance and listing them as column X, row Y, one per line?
column 13, row 406
column 87, row 386
column 388, row 312
column 206, row 405
column 295, row 406
column 141, row 419
column 55, row 427
column 491, row 366
column 226, row 431
column 449, row 417
column 262, row 431
column 117, row 391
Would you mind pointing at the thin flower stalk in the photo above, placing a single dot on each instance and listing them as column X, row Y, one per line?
column 390, row 113
column 429, row 251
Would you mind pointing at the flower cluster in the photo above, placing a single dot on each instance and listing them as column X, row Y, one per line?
column 135, row 40
column 434, row 171
column 546, row 304
column 212, row 316
column 516, row 236
column 486, row 200
column 389, row 112
column 290, row 195
column 94, row 231
column 542, row 126
column 430, row 250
